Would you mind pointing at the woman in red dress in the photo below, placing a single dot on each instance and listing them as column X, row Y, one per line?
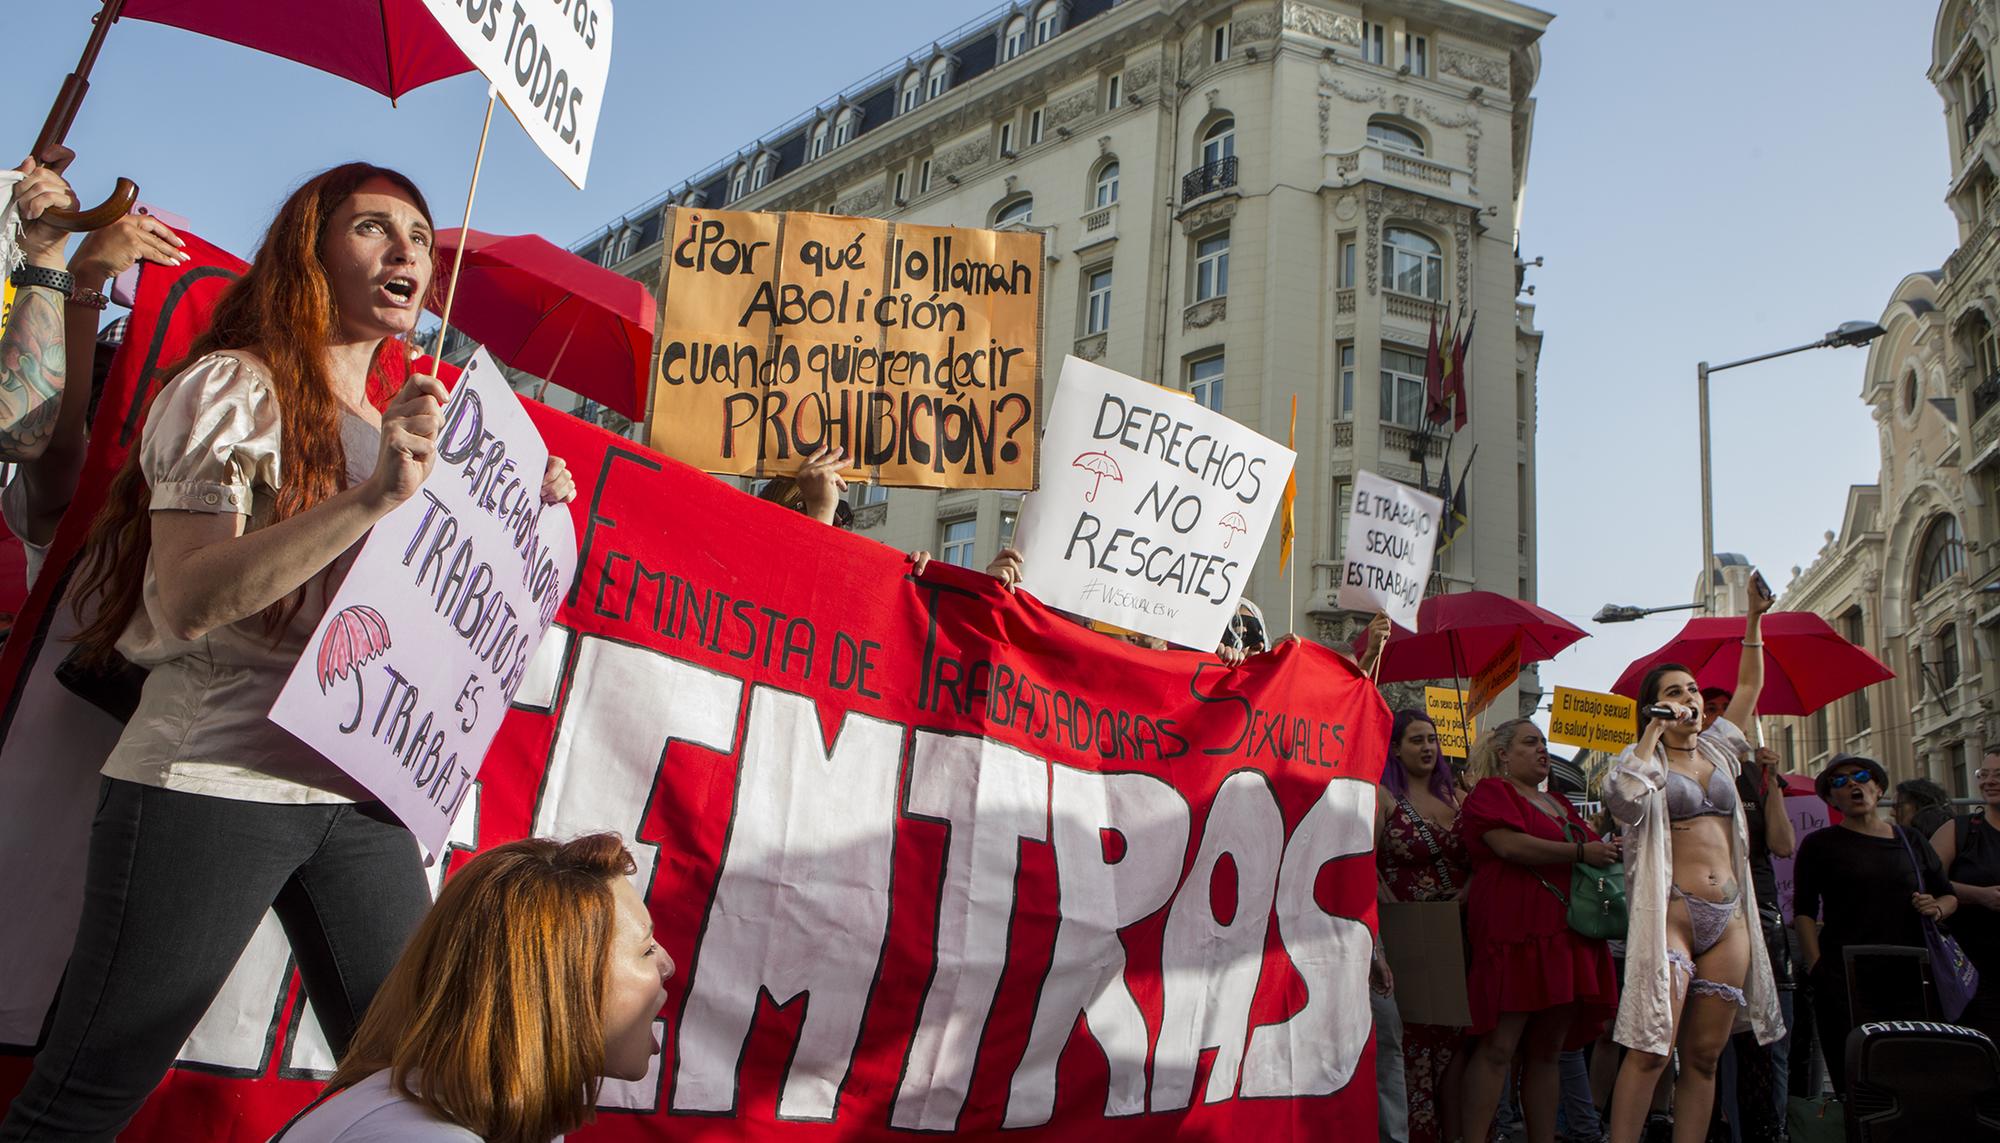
column 1535, row 984
column 1420, row 857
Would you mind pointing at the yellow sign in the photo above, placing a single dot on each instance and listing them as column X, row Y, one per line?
column 1592, row 721
column 1494, row 676
column 915, row 348
column 1443, row 705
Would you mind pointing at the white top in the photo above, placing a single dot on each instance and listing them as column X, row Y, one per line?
column 372, row 1112
column 1636, row 797
column 211, row 444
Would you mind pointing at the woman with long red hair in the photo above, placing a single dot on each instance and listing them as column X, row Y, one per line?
column 262, row 465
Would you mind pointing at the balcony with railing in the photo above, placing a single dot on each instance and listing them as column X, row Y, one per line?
column 1208, row 179
column 1969, row 250
column 1372, row 162
column 1098, row 226
column 1411, row 308
column 1977, row 115
column 1985, row 395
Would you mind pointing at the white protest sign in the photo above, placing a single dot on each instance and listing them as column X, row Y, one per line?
column 1391, row 536
column 1151, row 508
column 410, row 673
column 548, row 60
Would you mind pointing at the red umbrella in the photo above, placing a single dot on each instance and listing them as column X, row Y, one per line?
column 545, row 311
column 1806, row 663
column 390, row 46
column 1460, row 632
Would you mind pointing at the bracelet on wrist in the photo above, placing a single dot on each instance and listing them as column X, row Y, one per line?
column 25, row 277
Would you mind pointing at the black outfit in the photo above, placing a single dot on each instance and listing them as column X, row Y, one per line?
column 1761, row 1082
column 1977, row 928
column 1928, row 819
column 1859, row 887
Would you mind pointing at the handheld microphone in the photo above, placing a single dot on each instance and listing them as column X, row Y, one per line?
column 1661, row 710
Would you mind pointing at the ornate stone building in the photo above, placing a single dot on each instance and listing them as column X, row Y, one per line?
column 1246, row 201
column 1914, row 571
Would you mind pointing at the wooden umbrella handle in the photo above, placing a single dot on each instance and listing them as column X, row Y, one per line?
column 123, row 195
column 56, row 127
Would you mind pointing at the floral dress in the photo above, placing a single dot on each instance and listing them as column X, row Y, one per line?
column 1419, row 861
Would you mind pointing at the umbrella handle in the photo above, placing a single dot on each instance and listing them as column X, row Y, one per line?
column 56, row 128
column 117, row 206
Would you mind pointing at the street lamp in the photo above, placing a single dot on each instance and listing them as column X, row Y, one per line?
column 1626, row 613
column 1849, row 333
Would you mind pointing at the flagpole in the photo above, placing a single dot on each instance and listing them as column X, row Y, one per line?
column 465, row 230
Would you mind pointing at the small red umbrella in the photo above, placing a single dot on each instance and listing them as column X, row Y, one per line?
column 354, row 637
column 1806, row 662
column 545, row 311
column 1100, row 465
column 1460, row 632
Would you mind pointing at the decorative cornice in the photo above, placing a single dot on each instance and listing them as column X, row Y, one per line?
column 1205, row 313
column 1473, row 66
column 1320, row 24
column 1210, row 213
column 1092, row 348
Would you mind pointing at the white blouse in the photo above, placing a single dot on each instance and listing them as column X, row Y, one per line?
column 211, row 444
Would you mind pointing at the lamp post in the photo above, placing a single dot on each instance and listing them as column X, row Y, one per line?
column 1850, row 333
column 1626, row 613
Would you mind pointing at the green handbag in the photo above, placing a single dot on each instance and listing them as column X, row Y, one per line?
column 1596, row 900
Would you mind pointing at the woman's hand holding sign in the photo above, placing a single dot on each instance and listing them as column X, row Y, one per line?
column 409, row 441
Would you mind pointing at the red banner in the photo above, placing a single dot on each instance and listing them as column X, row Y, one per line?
column 928, row 856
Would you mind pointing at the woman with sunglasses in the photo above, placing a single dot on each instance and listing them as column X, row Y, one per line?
column 1868, row 882
column 1968, row 848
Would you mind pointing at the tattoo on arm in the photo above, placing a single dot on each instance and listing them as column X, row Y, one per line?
column 32, row 367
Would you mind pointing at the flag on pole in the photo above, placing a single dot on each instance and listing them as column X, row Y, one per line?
column 1455, row 512
column 1455, row 377
column 1287, row 524
column 1437, row 360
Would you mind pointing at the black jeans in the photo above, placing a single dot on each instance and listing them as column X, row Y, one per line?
column 176, row 885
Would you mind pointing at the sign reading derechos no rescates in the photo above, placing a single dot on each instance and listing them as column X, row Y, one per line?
column 1152, row 508
column 914, row 348
column 547, row 59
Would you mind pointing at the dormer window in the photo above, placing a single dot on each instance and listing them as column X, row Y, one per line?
column 1048, row 21
column 940, row 78
column 818, row 147
column 1014, row 40
column 913, row 91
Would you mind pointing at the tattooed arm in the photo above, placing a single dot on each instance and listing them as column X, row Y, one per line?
column 32, row 359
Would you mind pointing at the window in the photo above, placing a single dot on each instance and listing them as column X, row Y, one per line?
column 738, row 179
column 1413, row 264
column 843, row 128
column 1047, row 23
column 955, row 541
column 1097, row 301
column 940, row 76
column 1820, row 740
column 1416, row 54
column 1020, row 210
column 924, row 177
column 1343, row 505
column 1402, row 388
column 1942, row 554
column 1910, row 393
column 760, row 172
column 1015, row 40
column 818, row 139
column 1345, row 274
column 1343, row 399
column 1219, row 43
column 1395, row 138
column 1006, row 138
column 870, row 494
column 1854, row 632
column 1205, row 382
column 1954, row 760
column 1374, row 43
column 902, row 187
column 1947, row 657
column 1107, row 184
column 1114, row 91
column 1219, row 143
column 1035, row 126
column 1211, row 267
column 1009, row 516
column 913, row 88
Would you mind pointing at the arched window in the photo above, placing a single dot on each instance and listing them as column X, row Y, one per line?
column 738, row 180
column 844, row 125
column 940, row 78
column 1048, row 21
column 818, row 140
column 1020, row 209
column 1413, row 263
column 1107, row 184
column 1219, row 142
column 1942, row 554
column 913, row 92
column 1395, row 137
column 1014, row 40
column 760, row 171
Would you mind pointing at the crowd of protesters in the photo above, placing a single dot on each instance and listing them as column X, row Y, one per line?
column 297, row 423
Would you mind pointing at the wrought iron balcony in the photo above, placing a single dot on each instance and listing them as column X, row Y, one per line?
column 1208, row 178
column 1977, row 117
column 1985, row 395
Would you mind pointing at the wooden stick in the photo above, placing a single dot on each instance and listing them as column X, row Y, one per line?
column 465, row 231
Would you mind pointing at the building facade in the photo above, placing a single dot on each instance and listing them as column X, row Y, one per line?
column 1913, row 574
column 1246, row 201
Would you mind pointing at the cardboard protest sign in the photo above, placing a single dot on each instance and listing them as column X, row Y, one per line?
column 1809, row 815
column 1448, row 716
column 1151, row 510
column 1391, row 537
column 1592, row 721
column 917, row 349
column 1494, row 676
column 548, row 62
column 410, row 673
column 928, row 857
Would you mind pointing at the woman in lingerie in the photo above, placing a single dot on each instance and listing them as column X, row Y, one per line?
column 1695, row 969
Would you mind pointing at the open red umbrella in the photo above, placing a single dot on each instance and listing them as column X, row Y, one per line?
column 1458, row 633
column 1806, row 662
column 545, row 311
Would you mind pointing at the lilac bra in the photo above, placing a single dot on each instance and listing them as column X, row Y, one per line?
column 1687, row 799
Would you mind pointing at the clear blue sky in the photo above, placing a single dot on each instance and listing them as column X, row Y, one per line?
column 1709, row 179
